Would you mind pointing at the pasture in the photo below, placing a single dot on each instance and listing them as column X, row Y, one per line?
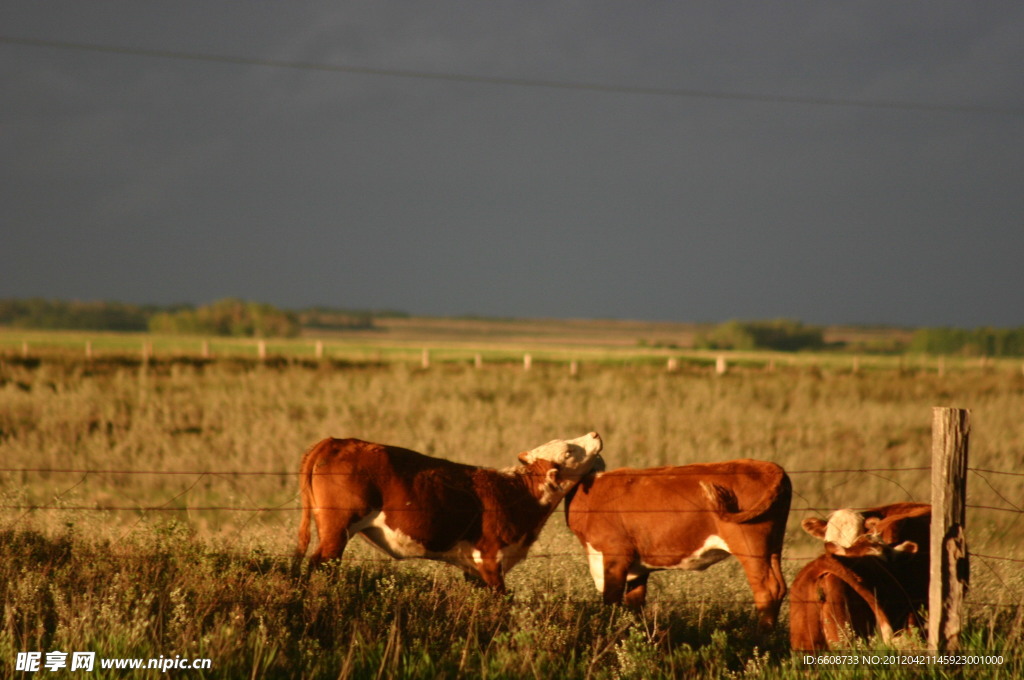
column 149, row 508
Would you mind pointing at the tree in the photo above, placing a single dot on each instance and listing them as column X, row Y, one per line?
column 229, row 317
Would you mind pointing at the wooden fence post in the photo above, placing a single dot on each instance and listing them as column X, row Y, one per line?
column 425, row 359
column 951, row 428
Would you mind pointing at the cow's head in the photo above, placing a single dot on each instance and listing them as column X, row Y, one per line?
column 843, row 527
column 570, row 461
column 870, row 545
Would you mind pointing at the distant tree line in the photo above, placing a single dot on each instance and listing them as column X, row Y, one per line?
column 74, row 315
column 227, row 317
column 784, row 335
column 990, row 342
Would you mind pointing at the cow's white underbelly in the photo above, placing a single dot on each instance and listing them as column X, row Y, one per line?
column 714, row 550
column 398, row 544
column 394, row 542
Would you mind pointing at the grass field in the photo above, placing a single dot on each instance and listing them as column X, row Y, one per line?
column 152, row 537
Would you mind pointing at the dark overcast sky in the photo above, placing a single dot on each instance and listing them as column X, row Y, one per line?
column 857, row 162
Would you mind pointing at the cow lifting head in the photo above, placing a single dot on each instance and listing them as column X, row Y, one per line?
column 570, row 460
column 410, row 505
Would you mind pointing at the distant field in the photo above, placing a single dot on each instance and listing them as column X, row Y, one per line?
column 469, row 340
column 149, row 507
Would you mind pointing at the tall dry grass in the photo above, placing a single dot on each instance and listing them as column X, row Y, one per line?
column 215, row 421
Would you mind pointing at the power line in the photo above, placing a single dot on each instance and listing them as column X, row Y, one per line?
column 688, row 93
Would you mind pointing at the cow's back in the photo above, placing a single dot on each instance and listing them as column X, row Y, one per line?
column 633, row 522
column 671, row 505
column 833, row 596
column 359, row 478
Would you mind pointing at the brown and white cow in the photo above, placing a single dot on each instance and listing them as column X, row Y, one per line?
column 892, row 524
column 889, row 525
column 411, row 505
column 636, row 521
column 849, row 591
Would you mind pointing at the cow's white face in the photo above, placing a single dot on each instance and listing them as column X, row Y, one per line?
column 844, row 527
column 571, row 460
column 574, row 458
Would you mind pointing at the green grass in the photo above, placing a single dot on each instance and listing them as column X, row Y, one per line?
column 131, row 565
column 404, row 340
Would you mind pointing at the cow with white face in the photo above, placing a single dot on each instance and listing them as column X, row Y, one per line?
column 849, row 592
column 891, row 524
column 408, row 504
column 873, row 577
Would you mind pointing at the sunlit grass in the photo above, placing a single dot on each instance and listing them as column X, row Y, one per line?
column 217, row 579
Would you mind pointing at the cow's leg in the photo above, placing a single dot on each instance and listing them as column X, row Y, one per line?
column 334, row 530
column 837, row 622
column 636, row 592
column 616, row 569
column 764, row 574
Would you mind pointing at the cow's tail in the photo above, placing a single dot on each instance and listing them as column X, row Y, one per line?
column 724, row 504
column 306, row 498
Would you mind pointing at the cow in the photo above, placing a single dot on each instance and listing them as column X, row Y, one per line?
column 892, row 524
column 849, row 591
column 409, row 504
column 889, row 525
column 636, row 521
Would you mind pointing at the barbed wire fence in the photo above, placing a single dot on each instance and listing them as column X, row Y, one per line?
column 171, row 505
column 942, row 463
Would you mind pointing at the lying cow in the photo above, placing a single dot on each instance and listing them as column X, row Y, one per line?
column 412, row 505
column 849, row 591
column 888, row 525
column 634, row 522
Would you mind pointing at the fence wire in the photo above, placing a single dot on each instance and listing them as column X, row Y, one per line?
column 290, row 504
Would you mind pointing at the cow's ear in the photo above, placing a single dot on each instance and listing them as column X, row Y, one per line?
column 815, row 526
column 871, row 523
column 906, row 547
column 551, row 478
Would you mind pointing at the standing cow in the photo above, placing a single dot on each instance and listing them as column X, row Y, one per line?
column 411, row 505
column 636, row 521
